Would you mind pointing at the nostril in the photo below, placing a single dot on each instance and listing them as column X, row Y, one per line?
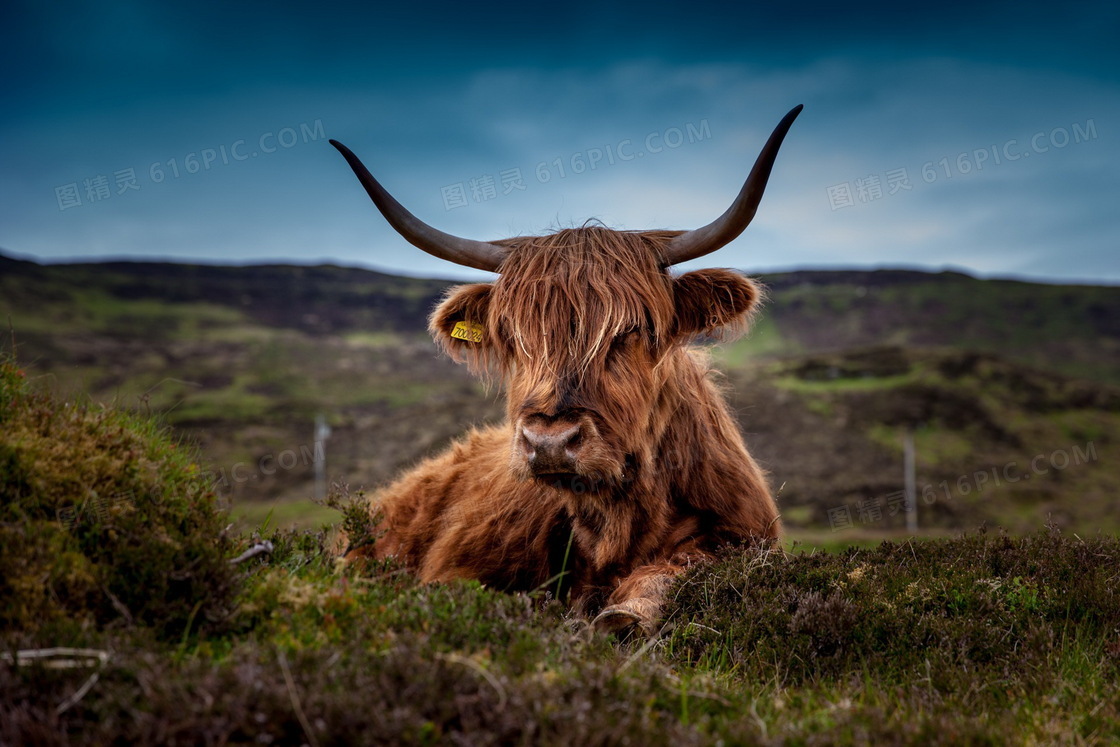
column 575, row 441
column 528, row 443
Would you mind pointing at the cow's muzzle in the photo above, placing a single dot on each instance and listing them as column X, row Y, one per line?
column 552, row 445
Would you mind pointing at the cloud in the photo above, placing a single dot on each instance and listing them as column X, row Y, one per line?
column 865, row 117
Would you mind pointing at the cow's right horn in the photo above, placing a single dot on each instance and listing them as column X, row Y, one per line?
column 724, row 229
column 480, row 255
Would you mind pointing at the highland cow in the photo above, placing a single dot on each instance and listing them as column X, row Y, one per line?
column 619, row 463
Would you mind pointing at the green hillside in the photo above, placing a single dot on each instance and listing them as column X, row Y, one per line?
column 995, row 442
column 241, row 360
column 1071, row 329
column 134, row 409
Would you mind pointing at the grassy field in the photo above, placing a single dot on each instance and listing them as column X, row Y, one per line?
column 977, row 641
column 134, row 616
column 241, row 361
column 145, row 402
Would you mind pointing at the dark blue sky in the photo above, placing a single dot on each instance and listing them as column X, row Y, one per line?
column 978, row 136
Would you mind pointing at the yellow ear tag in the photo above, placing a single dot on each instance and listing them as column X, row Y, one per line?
column 469, row 331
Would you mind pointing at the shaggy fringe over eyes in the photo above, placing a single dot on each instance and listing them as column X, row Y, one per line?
column 593, row 284
column 562, row 299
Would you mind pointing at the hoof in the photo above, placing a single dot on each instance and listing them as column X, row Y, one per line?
column 616, row 620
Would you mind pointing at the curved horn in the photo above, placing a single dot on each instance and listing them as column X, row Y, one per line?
column 480, row 255
column 728, row 226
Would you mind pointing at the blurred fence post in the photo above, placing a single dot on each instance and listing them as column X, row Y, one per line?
column 322, row 433
column 910, row 482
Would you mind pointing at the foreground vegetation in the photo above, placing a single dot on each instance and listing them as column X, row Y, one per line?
column 125, row 621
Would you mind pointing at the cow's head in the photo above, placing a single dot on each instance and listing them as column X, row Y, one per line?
column 585, row 326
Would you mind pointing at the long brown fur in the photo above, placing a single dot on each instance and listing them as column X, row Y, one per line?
column 587, row 324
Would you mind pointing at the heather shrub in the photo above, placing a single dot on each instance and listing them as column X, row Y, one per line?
column 105, row 521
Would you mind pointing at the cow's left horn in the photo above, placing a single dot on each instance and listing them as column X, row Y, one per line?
column 480, row 255
column 727, row 227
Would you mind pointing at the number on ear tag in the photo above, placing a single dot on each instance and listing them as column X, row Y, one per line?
column 469, row 331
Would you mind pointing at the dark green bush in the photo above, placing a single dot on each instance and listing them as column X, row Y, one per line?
column 104, row 521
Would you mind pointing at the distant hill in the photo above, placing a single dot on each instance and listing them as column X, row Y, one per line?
column 242, row 359
column 1066, row 328
column 1073, row 329
column 318, row 299
column 995, row 441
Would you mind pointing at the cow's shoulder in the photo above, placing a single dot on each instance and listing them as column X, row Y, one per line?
column 477, row 457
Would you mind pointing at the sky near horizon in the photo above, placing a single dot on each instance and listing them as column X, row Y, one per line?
column 974, row 136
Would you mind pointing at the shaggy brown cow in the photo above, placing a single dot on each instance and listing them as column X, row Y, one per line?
column 619, row 463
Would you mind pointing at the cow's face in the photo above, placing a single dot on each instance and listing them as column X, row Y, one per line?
column 585, row 328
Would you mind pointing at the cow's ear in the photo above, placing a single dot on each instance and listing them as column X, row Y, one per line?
column 714, row 303
column 459, row 323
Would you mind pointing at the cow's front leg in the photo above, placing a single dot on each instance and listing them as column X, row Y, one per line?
column 636, row 603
